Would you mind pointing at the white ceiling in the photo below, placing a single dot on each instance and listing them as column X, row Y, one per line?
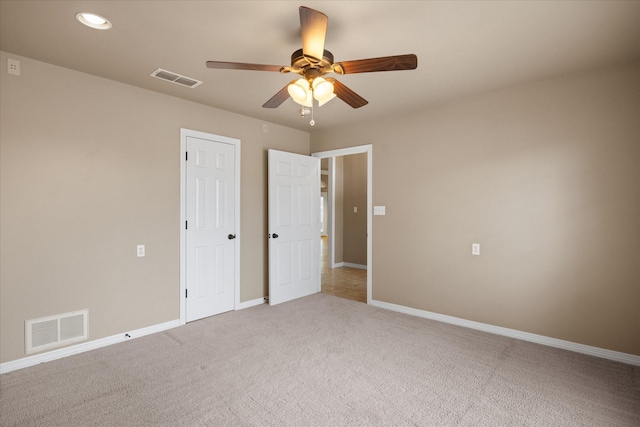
column 463, row 47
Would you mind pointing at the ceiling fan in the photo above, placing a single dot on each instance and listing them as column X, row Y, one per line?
column 312, row 62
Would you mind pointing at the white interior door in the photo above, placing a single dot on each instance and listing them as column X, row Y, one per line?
column 294, row 226
column 210, row 227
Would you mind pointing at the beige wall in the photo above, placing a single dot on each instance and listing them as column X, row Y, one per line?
column 355, row 195
column 545, row 176
column 90, row 169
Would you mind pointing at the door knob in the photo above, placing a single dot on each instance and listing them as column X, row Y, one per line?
column 231, row 236
column 275, row 236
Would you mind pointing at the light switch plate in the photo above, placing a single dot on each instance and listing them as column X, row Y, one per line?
column 475, row 249
column 379, row 210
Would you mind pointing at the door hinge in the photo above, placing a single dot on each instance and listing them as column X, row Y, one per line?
column 186, row 293
column 186, row 225
column 186, row 156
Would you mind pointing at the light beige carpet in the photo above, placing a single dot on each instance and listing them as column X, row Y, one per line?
column 322, row 361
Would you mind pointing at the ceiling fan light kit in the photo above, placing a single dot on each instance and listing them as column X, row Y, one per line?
column 304, row 92
column 300, row 92
column 312, row 62
column 322, row 89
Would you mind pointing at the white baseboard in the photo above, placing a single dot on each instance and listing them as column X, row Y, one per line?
column 251, row 303
column 350, row 265
column 103, row 342
column 87, row 346
column 512, row 333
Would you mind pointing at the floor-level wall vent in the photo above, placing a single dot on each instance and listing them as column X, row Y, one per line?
column 55, row 331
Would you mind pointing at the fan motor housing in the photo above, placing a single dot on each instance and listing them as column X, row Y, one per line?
column 298, row 60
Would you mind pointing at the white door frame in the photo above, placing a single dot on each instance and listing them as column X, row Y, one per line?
column 184, row 133
column 331, row 154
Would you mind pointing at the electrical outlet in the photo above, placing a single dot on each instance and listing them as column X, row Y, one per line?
column 140, row 250
column 475, row 249
column 13, row 66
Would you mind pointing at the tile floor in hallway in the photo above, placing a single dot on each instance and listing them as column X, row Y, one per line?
column 343, row 282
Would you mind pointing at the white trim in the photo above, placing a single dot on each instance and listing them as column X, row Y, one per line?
column 513, row 333
column 252, row 303
column 183, row 231
column 331, row 154
column 324, row 195
column 87, row 346
column 184, row 133
column 331, row 203
column 349, row 265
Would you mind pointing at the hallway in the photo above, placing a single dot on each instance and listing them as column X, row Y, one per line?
column 343, row 282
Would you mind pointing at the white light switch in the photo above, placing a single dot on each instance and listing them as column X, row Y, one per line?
column 355, row 209
column 475, row 249
column 140, row 250
column 379, row 210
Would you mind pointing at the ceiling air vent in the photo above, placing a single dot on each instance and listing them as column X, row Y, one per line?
column 175, row 78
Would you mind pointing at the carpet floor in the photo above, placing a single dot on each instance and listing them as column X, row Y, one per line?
column 322, row 361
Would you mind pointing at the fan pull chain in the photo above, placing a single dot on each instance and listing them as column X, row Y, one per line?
column 312, row 122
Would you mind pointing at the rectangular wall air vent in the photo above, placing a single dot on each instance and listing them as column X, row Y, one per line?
column 175, row 78
column 55, row 331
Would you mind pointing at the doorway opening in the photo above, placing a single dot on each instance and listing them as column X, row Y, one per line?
column 347, row 247
column 344, row 282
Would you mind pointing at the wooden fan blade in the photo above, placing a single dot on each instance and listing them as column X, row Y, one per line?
column 313, row 30
column 279, row 97
column 347, row 95
column 386, row 63
column 242, row 66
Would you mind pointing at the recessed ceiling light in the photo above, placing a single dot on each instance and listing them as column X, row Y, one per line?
column 94, row 21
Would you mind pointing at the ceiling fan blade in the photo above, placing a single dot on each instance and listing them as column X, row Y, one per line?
column 347, row 95
column 279, row 97
column 386, row 63
column 313, row 30
column 242, row 66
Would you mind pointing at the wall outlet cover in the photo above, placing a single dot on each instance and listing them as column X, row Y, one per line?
column 13, row 66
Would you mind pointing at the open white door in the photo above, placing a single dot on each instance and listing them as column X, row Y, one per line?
column 294, row 226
